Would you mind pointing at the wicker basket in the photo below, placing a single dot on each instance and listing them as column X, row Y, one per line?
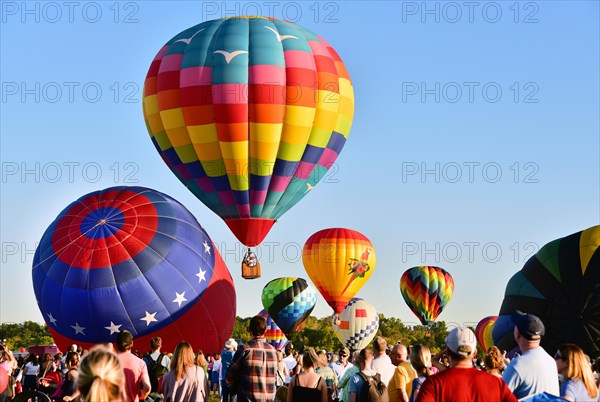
column 250, row 266
column 250, row 272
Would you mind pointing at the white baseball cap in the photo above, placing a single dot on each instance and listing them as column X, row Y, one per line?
column 462, row 341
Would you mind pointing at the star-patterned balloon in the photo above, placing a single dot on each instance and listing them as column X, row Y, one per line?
column 132, row 258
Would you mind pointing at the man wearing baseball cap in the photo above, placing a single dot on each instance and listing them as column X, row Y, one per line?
column 534, row 372
column 463, row 382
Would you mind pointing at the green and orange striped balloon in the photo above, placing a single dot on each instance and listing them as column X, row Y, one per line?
column 426, row 290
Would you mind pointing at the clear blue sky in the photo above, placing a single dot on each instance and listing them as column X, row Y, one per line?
column 475, row 137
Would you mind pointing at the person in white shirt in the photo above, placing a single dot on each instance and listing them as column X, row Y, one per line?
column 382, row 363
column 290, row 361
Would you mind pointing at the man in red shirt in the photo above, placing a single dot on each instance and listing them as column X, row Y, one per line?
column 137, row 382
column 463, row 382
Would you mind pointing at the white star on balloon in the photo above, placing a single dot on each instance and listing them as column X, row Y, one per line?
column 201, row 275
column 52, row 319
column 113, row 328
column 179, row 299
column 206, row 247
column 149, row 318
column 78, row 329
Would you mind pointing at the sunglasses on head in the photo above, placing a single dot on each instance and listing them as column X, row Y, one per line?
column 558, row 356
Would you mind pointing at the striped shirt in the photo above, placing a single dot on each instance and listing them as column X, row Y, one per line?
column 253, row 371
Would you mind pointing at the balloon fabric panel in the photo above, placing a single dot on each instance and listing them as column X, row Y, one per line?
column 561, row 285
column 357, row 324
column 249, row 113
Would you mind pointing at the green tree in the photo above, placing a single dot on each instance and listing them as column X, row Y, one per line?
column 25, row 334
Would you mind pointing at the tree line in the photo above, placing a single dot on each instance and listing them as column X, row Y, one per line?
column 316, row 332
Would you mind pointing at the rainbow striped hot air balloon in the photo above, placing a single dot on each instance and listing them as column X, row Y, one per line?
column 426, row 290
column 249, row 113
column 274, row 335
column 483, row 332
column 339, row 262
column 289, row 301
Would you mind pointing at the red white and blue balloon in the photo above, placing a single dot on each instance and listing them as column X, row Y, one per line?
column 132, row 258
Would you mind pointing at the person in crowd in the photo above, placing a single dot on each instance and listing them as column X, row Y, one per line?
column 579, row 384
column 420, row 360
column 254, row 366
column 215, row 384
column 340, row 367
column 282, row 371
column 281, row 394
column 400, row 385
column 31, row 372
column 494, row 361
column 461, row 381
column 308, row 385
column 185, row 381
column 289, row 360
column 344, row 382
column 358, row 382
column 382, row 363
column 157, row 364
column 299, row 364
column 534, row 372
column 68, row 390
column 137, row 381
column 101, row 376
column 200, row 361
column 7, row 361
column 226, row 358
column 327, row 374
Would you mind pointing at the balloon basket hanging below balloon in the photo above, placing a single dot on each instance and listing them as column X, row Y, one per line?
column 250, row 266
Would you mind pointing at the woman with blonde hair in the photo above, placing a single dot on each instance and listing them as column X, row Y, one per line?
column 101, row 377
column 184, row 382
column 420, row 359
column 308, row 385
column 200, row 361
column 579, row 384
column 494, row 361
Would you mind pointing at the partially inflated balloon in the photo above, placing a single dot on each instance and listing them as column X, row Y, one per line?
column 339, row 262
column 560, row 285
column 426, row 290
column 274, row 335
column 357, row 325
column 249, row 113
column 132, row 258
column 289, row 301
column 483, row 332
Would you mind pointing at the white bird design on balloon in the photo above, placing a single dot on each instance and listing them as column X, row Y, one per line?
column 230, row 55
column 188, row 40
column 281, row 37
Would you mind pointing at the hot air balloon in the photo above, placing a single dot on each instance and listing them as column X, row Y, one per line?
column 274, row 334
column 289, row 301
column 357, row 325
column 249, row 113
column 426, row 290
column 483, row 332
column 561, row 285
column 339, row 262
column 132, row 258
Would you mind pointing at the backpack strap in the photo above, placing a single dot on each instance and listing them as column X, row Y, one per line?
column 160, row 358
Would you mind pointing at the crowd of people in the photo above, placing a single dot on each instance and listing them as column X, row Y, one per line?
column 255, row 371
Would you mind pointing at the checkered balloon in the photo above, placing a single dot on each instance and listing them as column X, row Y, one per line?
column 289, row 301
column 357, row 325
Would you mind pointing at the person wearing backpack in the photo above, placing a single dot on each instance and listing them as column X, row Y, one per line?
column 158, row 365
column 366, row 386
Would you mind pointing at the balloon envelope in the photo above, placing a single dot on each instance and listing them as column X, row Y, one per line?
column 249, row 113
column 274, row 335
column 426, row 290
column 289, row 301
column 132, row 258
column 483, row 332
column 561, row 285
column 357, row 325
column 339, row 262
